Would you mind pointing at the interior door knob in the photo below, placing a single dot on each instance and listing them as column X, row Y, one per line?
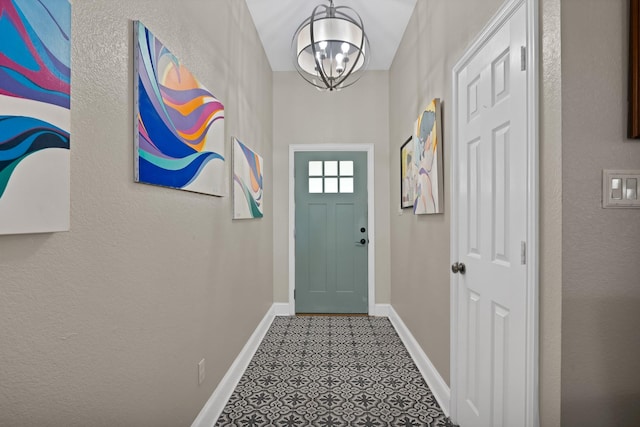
column 363, row 241
column 458, row 267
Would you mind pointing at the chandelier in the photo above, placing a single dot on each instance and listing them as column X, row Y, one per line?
column 331, row 49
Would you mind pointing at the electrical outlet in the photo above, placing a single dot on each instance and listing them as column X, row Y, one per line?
column 201, row 372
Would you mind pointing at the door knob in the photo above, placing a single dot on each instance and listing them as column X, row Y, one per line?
column 458, row 267
column 362, row 241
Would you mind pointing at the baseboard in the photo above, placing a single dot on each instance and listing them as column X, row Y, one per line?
column 381, row 310
column 214, row 406
column 437, row 384
column 282, row 309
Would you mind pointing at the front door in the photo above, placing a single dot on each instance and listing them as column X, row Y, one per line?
column 331, row 232
column 491, row 228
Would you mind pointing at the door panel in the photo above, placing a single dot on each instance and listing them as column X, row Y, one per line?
column 501, row 187
column 317, row 229
column 345, row 235
column 331, row 249
column 473, row 198
column 492, row 224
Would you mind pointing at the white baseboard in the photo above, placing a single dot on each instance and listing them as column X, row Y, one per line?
column 381, row 310
column 214, row 406
column 282, row 309
column 437, row 384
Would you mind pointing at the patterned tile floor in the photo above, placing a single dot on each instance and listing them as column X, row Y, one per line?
column 332, row 372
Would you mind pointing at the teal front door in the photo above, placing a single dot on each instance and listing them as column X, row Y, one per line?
column 331, row 232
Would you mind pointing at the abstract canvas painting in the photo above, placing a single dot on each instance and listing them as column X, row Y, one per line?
column 179, row 135
column 427, row 147
column 407, row 174
column 247, row 182
column 35, row 81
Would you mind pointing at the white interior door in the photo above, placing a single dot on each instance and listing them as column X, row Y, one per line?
column 491, row 174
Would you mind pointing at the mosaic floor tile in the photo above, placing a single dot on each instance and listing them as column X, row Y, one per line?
column 330, row 371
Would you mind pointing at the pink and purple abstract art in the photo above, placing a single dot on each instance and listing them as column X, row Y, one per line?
column 428, row 179
column 35, row 82
column 179, row 123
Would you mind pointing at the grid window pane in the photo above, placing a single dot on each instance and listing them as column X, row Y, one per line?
column 331, row 185
column 331, row 168
column 315, row 185
column 315, row 168
column 346, row 168
column 346, row 185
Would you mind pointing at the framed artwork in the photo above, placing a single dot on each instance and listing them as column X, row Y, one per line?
column 179, row 124
column 247, row 182
column 35, row 116
column 407, row 174
column 427, row 148
column 634, row 70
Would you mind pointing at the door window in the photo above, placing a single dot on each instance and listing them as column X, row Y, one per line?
column 330, row 176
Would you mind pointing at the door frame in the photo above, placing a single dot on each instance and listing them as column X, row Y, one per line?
column 371, row 251
column 532, row 266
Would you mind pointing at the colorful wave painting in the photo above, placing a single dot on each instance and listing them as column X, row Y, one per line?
column 247, row 182
column 180, row 124
column 35, row 83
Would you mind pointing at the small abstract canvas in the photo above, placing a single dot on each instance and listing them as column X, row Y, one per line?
column 247, row 182
column 406, row 174
column 179, row 135
column 427, row 147
column 35, row 82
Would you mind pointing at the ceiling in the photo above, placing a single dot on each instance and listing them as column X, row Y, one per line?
column 277, row 21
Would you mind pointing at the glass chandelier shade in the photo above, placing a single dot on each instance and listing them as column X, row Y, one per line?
column 331, row 49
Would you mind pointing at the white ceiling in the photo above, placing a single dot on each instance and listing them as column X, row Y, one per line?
column 277, row 20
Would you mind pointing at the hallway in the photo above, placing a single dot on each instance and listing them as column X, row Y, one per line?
column 332, row 371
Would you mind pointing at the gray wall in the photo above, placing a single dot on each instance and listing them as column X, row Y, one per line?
column 304, row 115
column 434, row 40
column 550, row 222
column 601, row 247
column 104, row 325
column 437, row 35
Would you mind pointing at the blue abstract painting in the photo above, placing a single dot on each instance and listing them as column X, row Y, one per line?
column 35, row 83
column 180, row 124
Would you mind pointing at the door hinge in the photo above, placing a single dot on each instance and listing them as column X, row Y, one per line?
column 294, row 294
column 523, row 58
column 523, row 253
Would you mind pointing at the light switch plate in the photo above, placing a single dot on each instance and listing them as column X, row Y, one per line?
column 620, row 188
